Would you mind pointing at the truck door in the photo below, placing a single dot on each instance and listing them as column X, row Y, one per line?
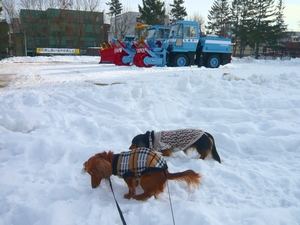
column 179, row 38
column 190, row 39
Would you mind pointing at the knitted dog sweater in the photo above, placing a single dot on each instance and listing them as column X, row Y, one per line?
column 138, row 162
column 177, row 140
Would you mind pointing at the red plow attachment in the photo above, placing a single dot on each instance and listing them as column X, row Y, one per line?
column 119, row 53
column 140, row 55
column 107, row 53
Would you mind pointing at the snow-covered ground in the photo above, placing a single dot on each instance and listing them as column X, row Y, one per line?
column 56, row 112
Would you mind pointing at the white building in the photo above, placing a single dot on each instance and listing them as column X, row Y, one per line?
column 122, row 25
column 125, row 23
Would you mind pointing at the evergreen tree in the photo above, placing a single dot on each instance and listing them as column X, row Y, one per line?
column 115, row 9
column 261, row 24
column 3, row 37
column 152, row 12
column 0, row 7
column 178, row 12
column 280, row 27
column 257, row 23
column 218, row 18
column 240, row 14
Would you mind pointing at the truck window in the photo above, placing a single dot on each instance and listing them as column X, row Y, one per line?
column 173, row 31
column 160, row 33
column 180, row 32
column 190, row 32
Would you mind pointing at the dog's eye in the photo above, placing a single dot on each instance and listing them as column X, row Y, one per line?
column 94, row 172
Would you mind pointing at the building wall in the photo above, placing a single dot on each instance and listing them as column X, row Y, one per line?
column 4, row 38
column 57, row 28
column 123, row 25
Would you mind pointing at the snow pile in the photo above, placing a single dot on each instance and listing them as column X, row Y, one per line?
column 56, row 112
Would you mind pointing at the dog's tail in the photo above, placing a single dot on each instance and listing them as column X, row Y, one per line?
column 189, row 176
column 214, row 152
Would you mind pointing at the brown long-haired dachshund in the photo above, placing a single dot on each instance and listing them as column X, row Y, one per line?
column 141, row 166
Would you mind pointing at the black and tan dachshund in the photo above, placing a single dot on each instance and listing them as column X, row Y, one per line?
column 178, row 140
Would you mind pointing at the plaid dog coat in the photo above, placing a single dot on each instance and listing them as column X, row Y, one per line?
column 138, row 162
column 177, row 140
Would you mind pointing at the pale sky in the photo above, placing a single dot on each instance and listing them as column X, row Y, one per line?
column 292, row 9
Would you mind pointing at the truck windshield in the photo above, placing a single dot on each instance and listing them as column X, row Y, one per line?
column 151, row 33
column 173, row 31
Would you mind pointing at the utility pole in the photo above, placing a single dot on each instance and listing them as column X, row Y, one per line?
column 25, row 43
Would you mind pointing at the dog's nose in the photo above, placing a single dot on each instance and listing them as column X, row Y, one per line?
column 94, row 186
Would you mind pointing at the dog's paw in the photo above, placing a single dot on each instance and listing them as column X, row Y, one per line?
column 128, row 196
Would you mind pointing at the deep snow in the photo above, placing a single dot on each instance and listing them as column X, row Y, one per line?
column 56, row 112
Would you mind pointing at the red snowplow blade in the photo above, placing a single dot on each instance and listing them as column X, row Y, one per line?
column 107, row 54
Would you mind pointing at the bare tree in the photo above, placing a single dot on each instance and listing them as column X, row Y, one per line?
column 11, row 13
column 93, row 4
column 65, row 4
column 86, row 5
column 27, row 4
column 32, row 4
column 56, row 4
column 10, row 9
column 52, row 4
column 13, row 6
column 31, row 30
column 126, row 23
column 200, row 19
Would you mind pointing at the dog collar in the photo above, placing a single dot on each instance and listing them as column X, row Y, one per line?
column 150, row 141
column 115, row 163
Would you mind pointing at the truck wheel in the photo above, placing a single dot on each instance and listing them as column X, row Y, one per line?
column 213, row 61
column 181, row 60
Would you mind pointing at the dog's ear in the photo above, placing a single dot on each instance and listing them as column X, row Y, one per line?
column 104, row 168
column 141, row 140
column 146, row 140
column 84, row 169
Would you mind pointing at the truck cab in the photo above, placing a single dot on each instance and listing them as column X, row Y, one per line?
column 184, row 36
column 156, row 34
column 185, row 47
